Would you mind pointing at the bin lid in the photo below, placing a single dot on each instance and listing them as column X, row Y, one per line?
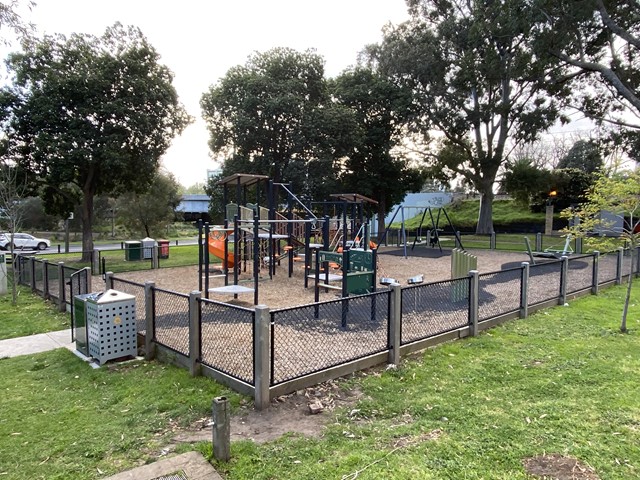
column 132, row 242
column 148, row 241
column 110, row 296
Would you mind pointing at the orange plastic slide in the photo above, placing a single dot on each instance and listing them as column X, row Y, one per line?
column 216, row 248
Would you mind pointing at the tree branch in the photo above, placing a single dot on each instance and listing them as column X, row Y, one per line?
column 614, row 27
column 608, row 74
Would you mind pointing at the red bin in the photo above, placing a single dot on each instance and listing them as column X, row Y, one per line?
column 163, row 248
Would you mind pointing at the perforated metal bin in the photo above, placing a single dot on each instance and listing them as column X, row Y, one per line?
column 111, row 326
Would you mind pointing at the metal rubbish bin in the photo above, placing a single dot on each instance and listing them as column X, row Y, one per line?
column 132, row 250
column 148, row 244
column 111, row 325
column 163, row 249
column 80, row 321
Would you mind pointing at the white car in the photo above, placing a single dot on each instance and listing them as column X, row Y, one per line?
column 23, row 240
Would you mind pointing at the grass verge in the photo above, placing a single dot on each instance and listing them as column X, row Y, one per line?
column 61, row 419
column 563, row 381
column 31, row 315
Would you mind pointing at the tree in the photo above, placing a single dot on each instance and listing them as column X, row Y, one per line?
column 524, row 181
column 12, row 193
column 196, row 188
column 620, row 195
column 89, row 115
column 369, row 167
column 149, row 213
column 585, row 155
column 11, row 20
column 476, row 81
column 597, row 43
column 260, row 115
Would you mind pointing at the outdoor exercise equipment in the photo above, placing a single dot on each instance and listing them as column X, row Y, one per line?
column 550, row 252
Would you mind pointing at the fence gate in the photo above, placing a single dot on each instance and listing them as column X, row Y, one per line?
column 78, row 285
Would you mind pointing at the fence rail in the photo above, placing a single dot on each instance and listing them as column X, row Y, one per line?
column 266, row 353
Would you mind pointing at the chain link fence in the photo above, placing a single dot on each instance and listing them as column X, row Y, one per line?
column 226, row 333
column 434, row 308
column 499, row 293
column 38, row 272
column 171, row 320
column 137, row 290
column 311, row 338
column 579, row 273
column 607, row 267
column 544, row 282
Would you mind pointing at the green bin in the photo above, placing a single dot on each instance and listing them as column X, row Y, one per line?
column 132, row 251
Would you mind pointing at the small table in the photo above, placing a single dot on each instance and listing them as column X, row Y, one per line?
column 231, row 289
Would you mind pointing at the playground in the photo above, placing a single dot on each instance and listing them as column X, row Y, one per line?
column 283, row 291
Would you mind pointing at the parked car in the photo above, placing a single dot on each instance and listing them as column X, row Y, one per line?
column 23, row 240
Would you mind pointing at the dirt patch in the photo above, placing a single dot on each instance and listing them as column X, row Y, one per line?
column 558, row 467
column 287, row 414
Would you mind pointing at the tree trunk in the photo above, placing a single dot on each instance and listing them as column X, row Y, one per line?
column 485, row 217
column 87, row 226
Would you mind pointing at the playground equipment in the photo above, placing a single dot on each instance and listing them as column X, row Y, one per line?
column 215, row 242
column 260, row 236
column 433, row 228
column 550, row 252
column 358, row 272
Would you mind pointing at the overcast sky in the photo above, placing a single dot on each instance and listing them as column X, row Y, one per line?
column 199, row 40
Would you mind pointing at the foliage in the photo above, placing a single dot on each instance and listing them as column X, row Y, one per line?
column 88, row 115
column 524, row 181
column 584, row 155
column 369, row 167
column 196, row 188
column 11, row 20
column 272, row 116
column 475, row 81
column 215, row 198
column 596, row 42
column 149, row 213
column 571, row 186
column 35, row 218
column 619, row 195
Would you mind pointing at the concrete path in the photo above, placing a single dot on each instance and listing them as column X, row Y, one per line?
column 41, row 342
column 188, row 466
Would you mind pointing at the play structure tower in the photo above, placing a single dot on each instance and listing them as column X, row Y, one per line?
column 257, row 233
column 352, row 249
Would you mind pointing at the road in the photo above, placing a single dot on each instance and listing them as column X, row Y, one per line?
column 55, row 248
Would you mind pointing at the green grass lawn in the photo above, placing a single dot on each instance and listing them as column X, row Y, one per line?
column 563, row 381
column 464, row 214
column 31, row 315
